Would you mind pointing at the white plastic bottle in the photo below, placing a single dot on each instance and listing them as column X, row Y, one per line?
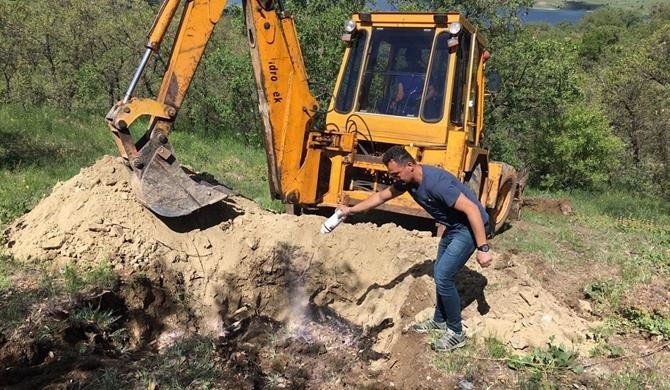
column 331, row 223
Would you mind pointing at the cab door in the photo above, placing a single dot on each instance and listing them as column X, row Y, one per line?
column 472, row 107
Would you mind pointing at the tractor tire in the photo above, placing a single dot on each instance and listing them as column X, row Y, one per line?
column 505, row 198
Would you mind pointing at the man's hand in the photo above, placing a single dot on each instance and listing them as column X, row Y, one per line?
column 484, row 258
column 346, row 211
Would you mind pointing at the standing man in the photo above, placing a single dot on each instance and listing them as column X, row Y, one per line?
column 452, row 204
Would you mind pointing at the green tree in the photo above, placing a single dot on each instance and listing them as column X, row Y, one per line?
column 538, row 80
column 320, row 24
column 602, row 29
column 579, row 152
column 636, row 91
column 71, row 54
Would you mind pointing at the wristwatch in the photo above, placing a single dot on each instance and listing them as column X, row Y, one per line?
column 483, row 248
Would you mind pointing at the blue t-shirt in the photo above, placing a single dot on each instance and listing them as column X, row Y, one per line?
column 412, row 85
column 437, row 194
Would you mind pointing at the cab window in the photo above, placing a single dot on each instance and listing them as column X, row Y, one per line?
column 346, row 93
column 395, row 72
column 433, row 106
column 460, row 78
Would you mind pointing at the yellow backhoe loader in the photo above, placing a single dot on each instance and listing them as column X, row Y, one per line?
column 411, row 79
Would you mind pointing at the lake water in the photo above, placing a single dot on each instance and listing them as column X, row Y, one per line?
column 552, row 16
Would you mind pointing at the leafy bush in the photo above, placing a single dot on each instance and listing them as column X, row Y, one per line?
column 538, row 81
column 600, row 291
column 546, row 363
column 580, row 152
column 652, row 323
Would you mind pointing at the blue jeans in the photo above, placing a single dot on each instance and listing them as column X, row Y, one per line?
column 456, row 247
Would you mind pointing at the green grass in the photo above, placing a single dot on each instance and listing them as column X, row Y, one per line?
column 16, row 300
column 631, row 232
column 495, row 348
column 107, row 379
column 457, row 362
column 42, row 146
column 533, row 238
column 76, row 279
column 238, row 166
column 463, row 362
column 634, row 379
column 92, row 315
column 4, row 274
column 186, row 364
column 625, row 232
column 17, row 297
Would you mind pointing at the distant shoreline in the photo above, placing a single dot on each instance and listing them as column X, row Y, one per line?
column 561, row 9
column 567, row 5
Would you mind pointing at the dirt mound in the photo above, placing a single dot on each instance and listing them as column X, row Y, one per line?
column 235, row 256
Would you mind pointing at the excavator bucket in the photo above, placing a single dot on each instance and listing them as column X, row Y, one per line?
column 160, row 183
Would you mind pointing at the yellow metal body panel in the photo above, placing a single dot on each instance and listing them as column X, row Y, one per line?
column 334, row 196
column 495, row 171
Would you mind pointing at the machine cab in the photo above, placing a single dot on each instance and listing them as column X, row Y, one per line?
column 395, row 77
column 412, row 79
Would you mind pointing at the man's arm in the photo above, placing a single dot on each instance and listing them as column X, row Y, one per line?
column 471, row 211
column 400, row 93
column 373, row 201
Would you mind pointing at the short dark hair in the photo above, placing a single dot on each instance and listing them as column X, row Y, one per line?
column 398, row 154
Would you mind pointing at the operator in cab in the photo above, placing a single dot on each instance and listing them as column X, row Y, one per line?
column 452, row 204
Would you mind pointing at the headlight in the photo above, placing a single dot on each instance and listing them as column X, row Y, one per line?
column 455, row 28
column 349, row 26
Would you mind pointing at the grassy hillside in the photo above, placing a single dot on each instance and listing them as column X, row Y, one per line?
column 40, row 147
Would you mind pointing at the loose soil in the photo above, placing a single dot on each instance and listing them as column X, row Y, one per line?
column 335, row 306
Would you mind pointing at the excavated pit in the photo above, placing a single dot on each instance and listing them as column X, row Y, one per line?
column 359, row 287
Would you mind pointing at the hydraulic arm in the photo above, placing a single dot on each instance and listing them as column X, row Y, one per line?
column 157, row 178
column 284, row 100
